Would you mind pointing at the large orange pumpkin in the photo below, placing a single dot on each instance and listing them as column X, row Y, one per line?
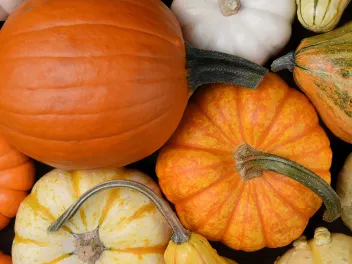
column 5, row 259
column 100, row 83
column 16, row 178
column 224, row 167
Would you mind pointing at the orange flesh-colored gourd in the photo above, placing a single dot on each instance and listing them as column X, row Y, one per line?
column 16, row 178
column 5, row 259
column 196, row 168
column 56, row 107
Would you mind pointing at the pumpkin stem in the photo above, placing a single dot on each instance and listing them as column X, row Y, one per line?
column 180, row 234
column 285, row 62
column 205, row 67
column 229, row 7
column 251, row 163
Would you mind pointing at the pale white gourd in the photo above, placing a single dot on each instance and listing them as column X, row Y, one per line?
column 252, row 29
column 324, row 248
column 114, row 226
column 344, row 191
column 320, row 15
column 7, row 6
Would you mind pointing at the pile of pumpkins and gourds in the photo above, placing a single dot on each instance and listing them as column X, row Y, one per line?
column 91, row 86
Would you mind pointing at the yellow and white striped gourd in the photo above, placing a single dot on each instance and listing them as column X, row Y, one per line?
column 320, row 15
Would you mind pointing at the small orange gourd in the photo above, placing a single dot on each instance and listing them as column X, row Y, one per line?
column 16, row 178
column 87, row 84
column 5, row 259
column 322, row 68
column 225, row 167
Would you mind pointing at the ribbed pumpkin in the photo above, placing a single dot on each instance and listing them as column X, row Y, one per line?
column 88, row 84
column 5, row 259
column 322, row 68
column 223, row 168
column 184, row 247
column 115, row 226
column 16, row 178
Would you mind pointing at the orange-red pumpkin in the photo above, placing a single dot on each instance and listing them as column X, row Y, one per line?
column 88, row 84
column 16, row 178
column 5, row 259
column 224, row 167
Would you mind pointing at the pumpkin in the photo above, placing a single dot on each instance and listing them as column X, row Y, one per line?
column 92, row 86
column 254, row 30
column 4, row 259
column 225, row 167
column 17, row 174
column 324, row 248
column 322, row 68
column 117, row 226
column 344, row 191
column 184, row 247
column 7, row 6
column 320, row 15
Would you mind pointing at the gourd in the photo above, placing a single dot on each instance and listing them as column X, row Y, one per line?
column 322, row 68
column 5, row 259
column 184, row 247
column 324, row 248
column 7, row 6
column 320, row 15
column 121, row 226
column 17, row 174
column 254, row 30
column 344, row 191
column 94, row 87
column 248, row 167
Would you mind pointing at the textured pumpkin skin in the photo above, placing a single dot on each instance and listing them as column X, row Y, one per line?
column 130, row 226
column 17, row 174
column 91, row 85
column 196, row 250
column 5, row 259
column 196, row 168
column 323, row 71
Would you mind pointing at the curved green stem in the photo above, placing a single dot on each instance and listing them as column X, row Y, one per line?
column 251, row 163
column 285, row 62
column 180, row 234
column 206, row 67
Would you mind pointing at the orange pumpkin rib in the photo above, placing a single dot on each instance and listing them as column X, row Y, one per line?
column 10, row 201
column 278, row 110
column 4, row 221
column 5, row 259
column 20, row 178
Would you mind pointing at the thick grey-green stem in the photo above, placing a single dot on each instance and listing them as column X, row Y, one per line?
column 251, row 163
column 285, row 62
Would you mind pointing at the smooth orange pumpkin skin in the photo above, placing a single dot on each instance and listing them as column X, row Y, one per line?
column 17, row 175
column 91, row 83
column 323, row 70
column 5, row 259
column 196, row 168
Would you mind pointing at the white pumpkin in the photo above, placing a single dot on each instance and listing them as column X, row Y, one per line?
column 7, row 6
column 114, row 226
column 324, row 248
column 252, row 29
column 320, row 15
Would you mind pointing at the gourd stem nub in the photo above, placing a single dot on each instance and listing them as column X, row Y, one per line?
column 180, row 234
column 229, row 7
column 251, row 163
column 285, row 62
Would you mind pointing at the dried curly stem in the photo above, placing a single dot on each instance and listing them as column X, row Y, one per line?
column 180, row 234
